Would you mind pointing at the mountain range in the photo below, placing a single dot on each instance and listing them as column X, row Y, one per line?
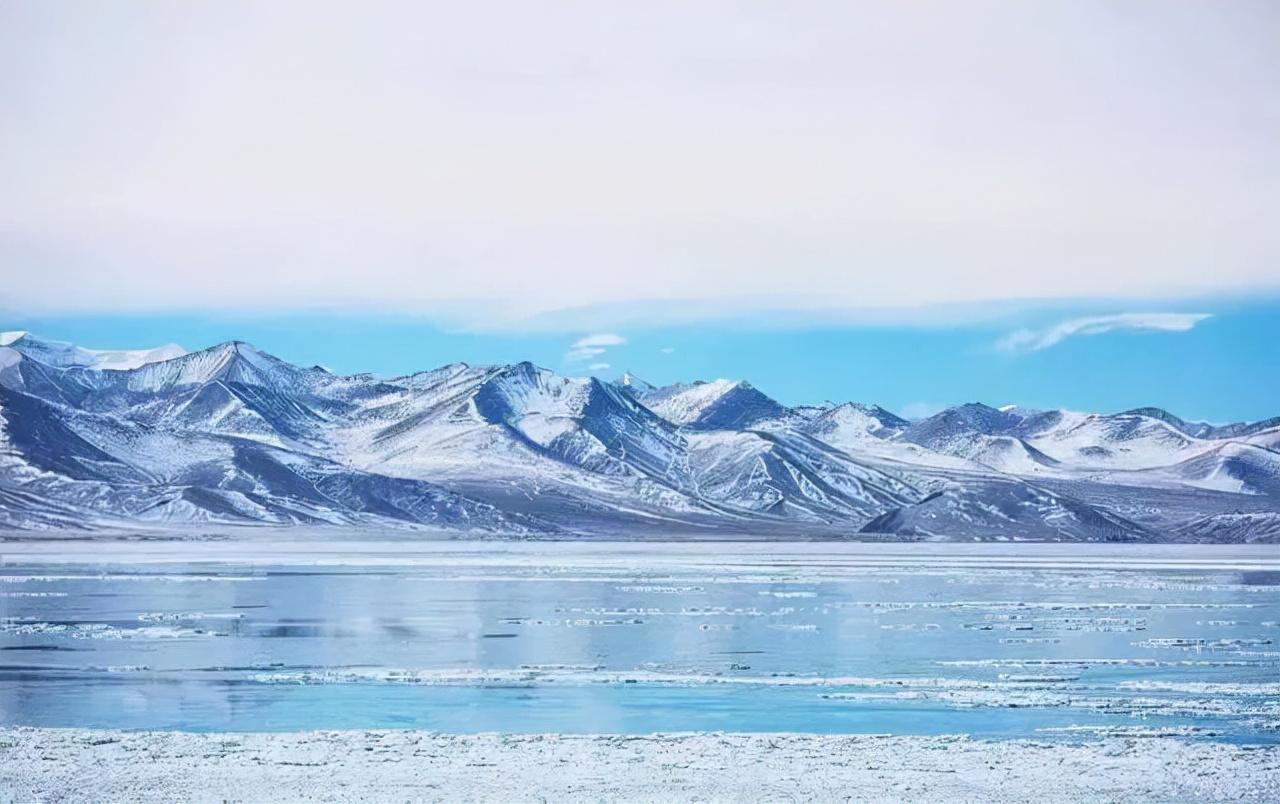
column 230, row 435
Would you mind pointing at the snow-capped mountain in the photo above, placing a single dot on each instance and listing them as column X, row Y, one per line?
column 981, row 434
column 1021, row 441
column 851, row 424
column 1233, row 466
column 66, row 355
column 233, row 435
column 716, row 405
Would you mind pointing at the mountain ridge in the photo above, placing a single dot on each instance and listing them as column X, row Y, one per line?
column 233, row 435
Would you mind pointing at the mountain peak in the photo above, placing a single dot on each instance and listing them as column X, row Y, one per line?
column 851, row 423
column 1152, row 412
column 232, row 361
column 61, row 354
column 633, row 382
column 961, row 420
column 1193, row 429
column 713, row 405
column 976, row 416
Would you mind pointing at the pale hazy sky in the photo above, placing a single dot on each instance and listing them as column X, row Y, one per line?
column 498, row 160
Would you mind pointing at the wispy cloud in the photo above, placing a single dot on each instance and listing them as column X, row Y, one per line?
column 1031, row 340
column 666, row 350
column 598, row 366
column 590, row 346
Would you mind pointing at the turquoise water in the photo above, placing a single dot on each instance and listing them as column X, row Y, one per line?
column 567, row 638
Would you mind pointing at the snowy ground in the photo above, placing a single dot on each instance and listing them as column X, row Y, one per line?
column 83, row 765
column 302, row 546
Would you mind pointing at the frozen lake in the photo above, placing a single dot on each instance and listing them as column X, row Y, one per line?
column 1043, row 641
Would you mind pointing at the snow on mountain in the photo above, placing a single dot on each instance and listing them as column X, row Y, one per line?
column 871, row 434
column 10, row 374
column 982, row 434
column 232, row 362
column 575, row 450
column 169, row 458
column 905, row 457
column 1268, row 437
column 1002, row 453
column 789, row 474
column 715, row 405
column 231, row 388
column 1031, row 442
column 1020, row 411
column 1118, row 441
column 530, row 427
column 583, row 422
column 39, row 435
column 938, row 430
column 231, row 434
column 1234, row 528
column 66, row 355
column 136, row 472
column 636, row 386
column 1204, row 430
column 1005, row 510
column 1234, row 466
column 22, row 510
column 851, row 425
column 519, row 414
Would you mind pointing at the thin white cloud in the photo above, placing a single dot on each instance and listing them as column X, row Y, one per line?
column 666, row 350
column 600, row 339
column 598, row 366
column 590, row 346
column 1031, row 340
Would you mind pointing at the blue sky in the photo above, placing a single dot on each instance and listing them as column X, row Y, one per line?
column 1224, row 368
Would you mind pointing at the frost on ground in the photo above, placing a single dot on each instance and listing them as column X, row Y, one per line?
column 86, row 765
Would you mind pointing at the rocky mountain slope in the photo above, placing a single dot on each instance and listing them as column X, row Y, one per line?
column 232, row 435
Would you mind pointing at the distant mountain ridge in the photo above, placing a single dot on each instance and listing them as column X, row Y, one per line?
column 231, row 435
column 66, row 355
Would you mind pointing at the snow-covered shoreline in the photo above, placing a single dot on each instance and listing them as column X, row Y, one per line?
column 93, row 765
column 301, row 546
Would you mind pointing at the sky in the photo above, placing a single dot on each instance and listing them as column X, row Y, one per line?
column 1219, row 368
column 1068, row 203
